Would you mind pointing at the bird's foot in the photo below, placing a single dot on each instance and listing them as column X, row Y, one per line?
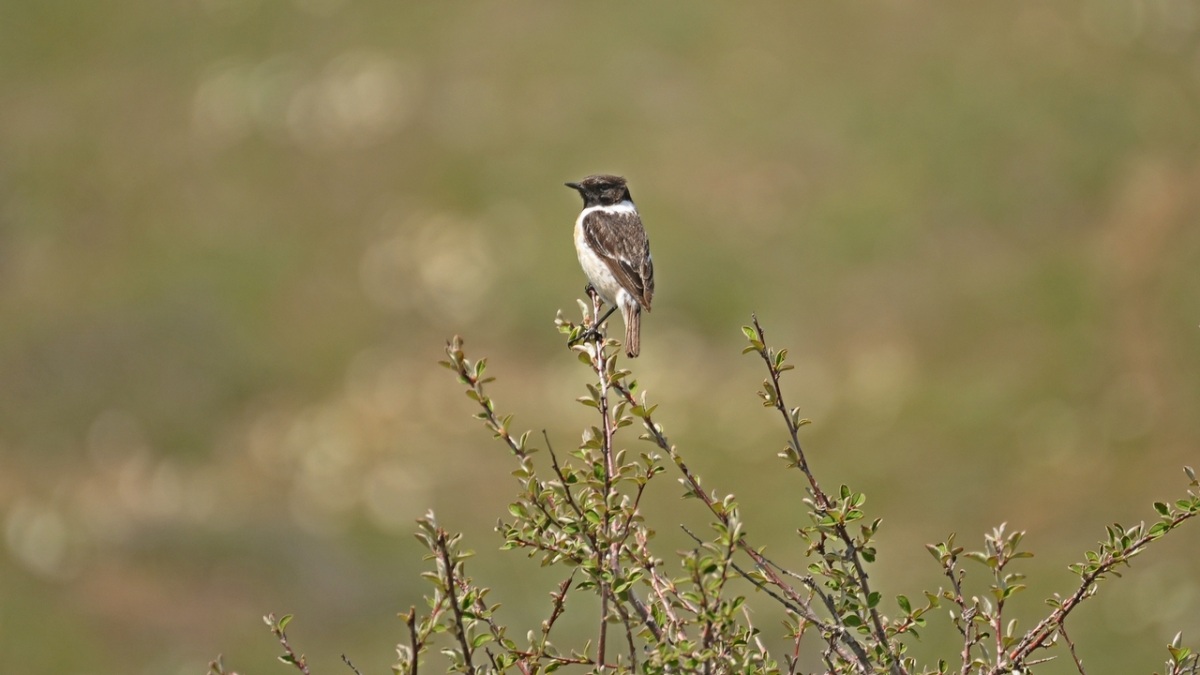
column 592, row 294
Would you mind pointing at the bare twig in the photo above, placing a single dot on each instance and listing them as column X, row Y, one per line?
column 346, row 660
column 1062, row 630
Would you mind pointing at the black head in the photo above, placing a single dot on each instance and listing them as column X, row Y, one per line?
column 602, row 190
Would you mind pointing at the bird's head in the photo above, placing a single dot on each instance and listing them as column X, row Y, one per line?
column 601, row 190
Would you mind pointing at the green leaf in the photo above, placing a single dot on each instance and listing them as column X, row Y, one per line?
column 283, row 622
column 1015, row 588
column 904, row 604
column 1179, row 653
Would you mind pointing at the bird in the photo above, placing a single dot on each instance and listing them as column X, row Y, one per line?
column 614, row 252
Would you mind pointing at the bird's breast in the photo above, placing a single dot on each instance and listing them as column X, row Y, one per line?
column 597, row 271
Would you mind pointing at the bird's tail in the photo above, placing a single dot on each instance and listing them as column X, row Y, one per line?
column 632, row 313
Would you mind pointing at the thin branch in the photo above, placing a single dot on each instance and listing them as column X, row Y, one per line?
column 566, row 486
column 762, row 648
column 547, row 548
column 599, row 362
column 346, row 660
column 460, row 630
column 1062, row 630
column 660, row 588
column 814, row 589
column 965, row 620
column 823, row 502
column 1037, row 636
column 562, row 479
column 643, row 612
column 860, row 656
column 290, row 655
column 558, row 601
column 472, row 376
column 411, row 620
column 627, row 622
column 563, row 660
column 801, row 627
column 481, row 611
column 970, row 636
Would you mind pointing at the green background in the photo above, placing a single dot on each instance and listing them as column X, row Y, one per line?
column 235, row 234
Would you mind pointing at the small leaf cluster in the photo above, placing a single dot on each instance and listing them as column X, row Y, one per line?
column 457, row 607
column 278, row 628
column 472, row 375
column 1123, row 543
column 980, row 619
column 1183, row 661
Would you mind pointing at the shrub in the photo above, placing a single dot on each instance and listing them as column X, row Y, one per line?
column 581, row 511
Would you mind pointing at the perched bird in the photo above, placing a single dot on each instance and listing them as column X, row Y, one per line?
column 614, row 252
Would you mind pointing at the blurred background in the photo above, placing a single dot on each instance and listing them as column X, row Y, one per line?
column 235, row 234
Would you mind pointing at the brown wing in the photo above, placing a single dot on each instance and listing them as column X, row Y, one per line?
column 620, row 241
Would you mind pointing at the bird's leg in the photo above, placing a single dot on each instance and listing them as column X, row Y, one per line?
column 593, row 331
column 596, row 326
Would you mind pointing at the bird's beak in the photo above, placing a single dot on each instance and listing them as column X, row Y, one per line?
column 573, row 186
